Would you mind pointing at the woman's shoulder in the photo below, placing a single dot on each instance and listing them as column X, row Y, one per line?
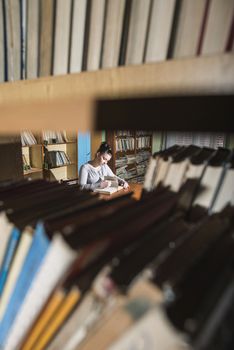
column 85, row 166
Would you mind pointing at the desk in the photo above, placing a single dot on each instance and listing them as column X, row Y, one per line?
column 135, row 188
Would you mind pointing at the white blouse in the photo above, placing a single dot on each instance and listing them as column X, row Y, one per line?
column 90, row 177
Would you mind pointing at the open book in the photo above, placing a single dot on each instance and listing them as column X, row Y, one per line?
column 114, row 186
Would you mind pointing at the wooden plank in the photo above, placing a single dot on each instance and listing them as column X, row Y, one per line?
column 66, row 102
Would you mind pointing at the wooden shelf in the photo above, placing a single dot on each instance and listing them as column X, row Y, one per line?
column 36, row 144
column 59, row 166
column 144, row 148
column 69, row 102
column 32, row 170
column 59, row 143
column 126, row 152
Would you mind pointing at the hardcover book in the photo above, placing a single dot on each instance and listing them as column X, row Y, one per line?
column 113, row 186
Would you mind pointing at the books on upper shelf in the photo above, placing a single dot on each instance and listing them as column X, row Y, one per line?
column 219, row 27
column 27, row 138
column 112, row 33
column 189, row 28
column 95, row 33
column 124, row 144
column 111, row 188
column 53, row 137
column 46, row 38
column 160, row 25
column 77, row 35
column 62, row 37
column 13, row 39
column 32, row 39
column 137, row 34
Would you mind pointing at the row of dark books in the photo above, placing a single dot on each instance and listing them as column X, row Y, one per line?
column 128, row 143
column 55, row 159
column 59, row 37
column 125, row 144
column 143, row 142
column 132, row 167
column 78, row 272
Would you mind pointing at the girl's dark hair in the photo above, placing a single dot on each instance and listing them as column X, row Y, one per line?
column 105, row 148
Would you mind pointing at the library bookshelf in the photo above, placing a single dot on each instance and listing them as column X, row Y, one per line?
column 131, row 151
column 35, row 162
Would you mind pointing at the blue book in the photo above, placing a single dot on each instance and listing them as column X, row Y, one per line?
column 10, row 251
column 35, row 256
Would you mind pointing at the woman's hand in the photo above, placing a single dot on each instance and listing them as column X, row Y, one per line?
column 125, row 185
column 104, row 184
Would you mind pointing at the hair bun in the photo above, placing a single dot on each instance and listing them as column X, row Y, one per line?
column 104, row 147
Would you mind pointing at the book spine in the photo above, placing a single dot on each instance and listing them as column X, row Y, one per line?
column 23, row 28
column 57, row 260
column 10, row 251
column 30, row 267
column 5, row 229
column 77, row 35
column 44, row 319
column 2, row 48
column 17, row 264
column 58, row 319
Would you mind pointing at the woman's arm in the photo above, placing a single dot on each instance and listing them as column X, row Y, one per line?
column 121, row 181
column 83, row 180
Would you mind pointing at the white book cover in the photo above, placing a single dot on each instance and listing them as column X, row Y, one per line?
column 112, row 186
column 95, row 34
column 17, row 263
column 226, row 192
column 176, row 175
column 194, row 171
column 163, row 168
column 5, row 230
column 113, row 31
column 58, row 259
column 161, row 19
column 218, row 26
column 77, row 35
column 13, row 31
column 2, row 47
column 149, row 175
column 153, row 331
column 189, row 28
column 32, row 40
column 108, row 190
column 62, row 36
column 137, row 31
column 209, row 181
